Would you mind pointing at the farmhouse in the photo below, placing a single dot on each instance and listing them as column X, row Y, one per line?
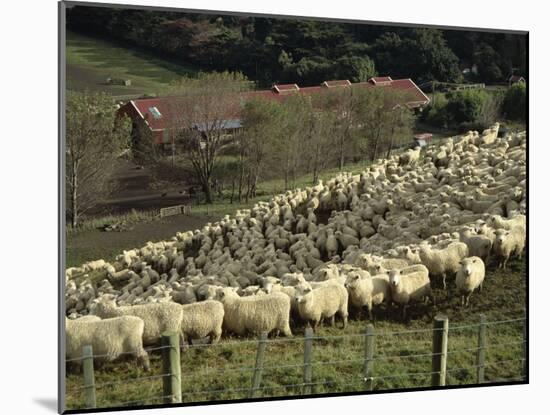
column 154, row 113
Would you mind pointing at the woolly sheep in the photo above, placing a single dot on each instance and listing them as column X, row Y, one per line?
column 410, row 284
column 508, row 243
column 109, row 338
column 469, row 277
column 445, row 260
column 255, row 314
column 367, row 290
column 202, row 319
column 158, row 317
column 323, row 302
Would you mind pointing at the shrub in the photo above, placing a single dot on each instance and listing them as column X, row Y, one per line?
column 465, row 106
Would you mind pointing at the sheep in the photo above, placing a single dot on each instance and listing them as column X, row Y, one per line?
column 202, row 319
column 158, row 317
column 365, row 290
column 469, row 277
column 110, row 338
column 478, row 245
column 445, row 260
column 323, row 302
column 508, row 243
column 255, row 314
column 497, row 222
column 410, row 284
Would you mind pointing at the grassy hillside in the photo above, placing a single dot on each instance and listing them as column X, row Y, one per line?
column 401, row 358
column 90, row 61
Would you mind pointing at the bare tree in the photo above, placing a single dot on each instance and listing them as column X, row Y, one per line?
column 202, row 110
column 262, row 121
column 95, row 138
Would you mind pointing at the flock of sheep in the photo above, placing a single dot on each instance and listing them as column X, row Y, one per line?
column 402, row 226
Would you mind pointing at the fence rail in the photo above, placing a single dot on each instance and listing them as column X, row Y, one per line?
column 177, row 382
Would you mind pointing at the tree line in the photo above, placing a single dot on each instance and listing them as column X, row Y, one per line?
column 308, row 52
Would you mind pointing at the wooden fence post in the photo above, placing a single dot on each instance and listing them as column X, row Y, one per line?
column 259, row 366
column 89, row 378
column 171, row 365
column 369, row 351
column 481, row 345
column 439, row 350
column 308, row 348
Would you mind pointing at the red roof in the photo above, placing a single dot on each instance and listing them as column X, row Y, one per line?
column 516, row 78
column 155, row 111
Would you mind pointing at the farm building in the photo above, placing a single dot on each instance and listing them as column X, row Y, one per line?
column 516, row 79
column 155, row 112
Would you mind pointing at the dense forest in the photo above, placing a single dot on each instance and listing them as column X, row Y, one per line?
column 307, row 52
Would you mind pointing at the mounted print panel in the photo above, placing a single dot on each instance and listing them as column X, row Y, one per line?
column 270, row 207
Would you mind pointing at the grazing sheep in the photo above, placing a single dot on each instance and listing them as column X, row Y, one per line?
column 255, row 314
column 158, row 317
column 367, row 290
column 110, row 339
column 445, row 260
column 323, row 302
column 469, row 277
column 410, row 284
column 508, row 243
column 202, row 319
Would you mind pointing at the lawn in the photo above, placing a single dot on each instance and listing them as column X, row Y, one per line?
column 90, row 61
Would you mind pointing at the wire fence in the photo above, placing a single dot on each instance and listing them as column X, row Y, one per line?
column 483, row 352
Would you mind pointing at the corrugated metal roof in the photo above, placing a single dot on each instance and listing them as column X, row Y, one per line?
column 414, row 98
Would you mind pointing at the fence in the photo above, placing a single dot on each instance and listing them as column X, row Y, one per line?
column 486, row 351
column 175, row 210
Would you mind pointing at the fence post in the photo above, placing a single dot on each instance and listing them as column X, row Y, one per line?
column 308, row 348
column 481, row 344
column 369, row 351
column 439, row 350
column 524, row 344
column 89, row 378
column 171, row 364
column 259, row 366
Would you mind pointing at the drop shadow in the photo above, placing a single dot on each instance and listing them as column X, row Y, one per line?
column 48, row 403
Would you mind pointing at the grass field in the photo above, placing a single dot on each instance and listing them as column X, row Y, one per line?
column 90, row 61
column 401, row 360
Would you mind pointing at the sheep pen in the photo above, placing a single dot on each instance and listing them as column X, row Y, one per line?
column 390, row 211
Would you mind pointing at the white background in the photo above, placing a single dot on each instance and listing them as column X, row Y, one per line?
column 28, row 163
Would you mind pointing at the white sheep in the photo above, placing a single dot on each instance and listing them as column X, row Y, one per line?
column 469, row 277
column 410, row 284
column 255, row 314
column 202, row 319
column 508, row 243
column 323, row 302
column 445, row 260
column 158, row 317
column 110, row 339
column 367, row 290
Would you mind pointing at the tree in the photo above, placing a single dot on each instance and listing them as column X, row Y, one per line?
column 488, row 63
column 515, row 104
column 201, row 109
column 355, row 68
column 95, row 138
